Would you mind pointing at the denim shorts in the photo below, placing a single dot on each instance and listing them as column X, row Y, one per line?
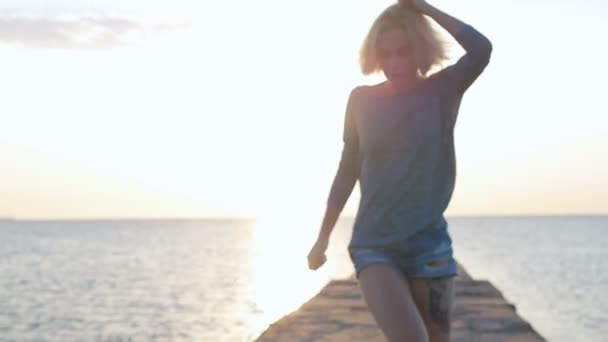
column 413, row 258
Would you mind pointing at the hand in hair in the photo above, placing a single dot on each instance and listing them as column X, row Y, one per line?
column 416, row 4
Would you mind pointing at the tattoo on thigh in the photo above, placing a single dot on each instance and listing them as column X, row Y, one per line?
column 440, row 301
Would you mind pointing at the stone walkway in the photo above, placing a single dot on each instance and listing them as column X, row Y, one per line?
column 339, row 313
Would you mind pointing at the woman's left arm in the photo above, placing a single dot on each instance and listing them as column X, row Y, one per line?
column 478, row 48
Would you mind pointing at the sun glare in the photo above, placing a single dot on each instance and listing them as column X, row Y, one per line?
column 281, row 279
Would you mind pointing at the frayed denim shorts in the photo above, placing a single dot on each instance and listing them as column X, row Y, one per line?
column 427, row 254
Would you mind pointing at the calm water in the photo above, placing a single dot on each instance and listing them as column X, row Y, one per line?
column 554, row 269
column 214, row 280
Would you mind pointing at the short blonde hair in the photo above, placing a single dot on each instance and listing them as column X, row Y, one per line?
column 428, row 48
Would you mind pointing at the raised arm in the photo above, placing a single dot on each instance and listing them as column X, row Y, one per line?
column 458, row 77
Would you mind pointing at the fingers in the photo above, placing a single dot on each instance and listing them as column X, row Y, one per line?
column 314, row 261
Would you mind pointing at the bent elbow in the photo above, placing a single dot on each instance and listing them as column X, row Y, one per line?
column 485, row 52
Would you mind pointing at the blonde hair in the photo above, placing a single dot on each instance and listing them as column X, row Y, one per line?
column 428, row 48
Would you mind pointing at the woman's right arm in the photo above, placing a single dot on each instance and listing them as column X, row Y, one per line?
column 347, row 173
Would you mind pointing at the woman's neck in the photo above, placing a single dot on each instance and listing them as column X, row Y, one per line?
column 392, row 87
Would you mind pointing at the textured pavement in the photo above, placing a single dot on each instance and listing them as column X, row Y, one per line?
column 339, row 313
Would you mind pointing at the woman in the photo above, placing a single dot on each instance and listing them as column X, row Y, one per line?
column 399, row 143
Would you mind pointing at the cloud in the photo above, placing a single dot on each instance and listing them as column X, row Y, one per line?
column 76, row 32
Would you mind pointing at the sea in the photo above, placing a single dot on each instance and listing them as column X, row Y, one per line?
column 228, row 279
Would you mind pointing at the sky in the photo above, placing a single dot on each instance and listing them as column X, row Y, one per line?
column 133, row 109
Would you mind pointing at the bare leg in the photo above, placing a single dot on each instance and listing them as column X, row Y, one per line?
column 388, row 297
column 434, row 298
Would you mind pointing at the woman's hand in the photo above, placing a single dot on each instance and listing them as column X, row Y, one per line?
column 316, row 257
column 416, row 4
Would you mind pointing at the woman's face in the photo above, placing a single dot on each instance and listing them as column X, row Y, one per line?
column 396, row 57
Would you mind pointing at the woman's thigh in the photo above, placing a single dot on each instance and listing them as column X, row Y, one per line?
column 434, row 298
column 390, row 301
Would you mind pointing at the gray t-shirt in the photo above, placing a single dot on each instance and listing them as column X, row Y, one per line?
column 401, row 149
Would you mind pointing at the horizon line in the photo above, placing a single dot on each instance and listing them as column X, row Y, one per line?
column 236, row 217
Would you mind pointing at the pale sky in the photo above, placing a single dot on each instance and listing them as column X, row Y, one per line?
column 132, row 109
